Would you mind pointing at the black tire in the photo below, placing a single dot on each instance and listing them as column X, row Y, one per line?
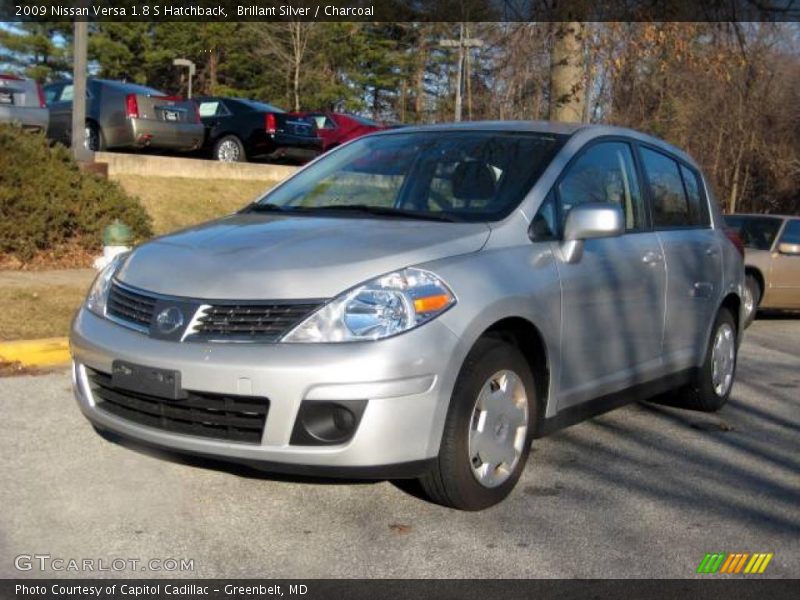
column 229, row 148
column 701, row 393
column 753, row 289
column 95, row 142
column 451, row 481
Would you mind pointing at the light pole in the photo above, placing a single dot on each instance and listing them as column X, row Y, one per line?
column 185, row 62
column 462, row 43
column 79, row 149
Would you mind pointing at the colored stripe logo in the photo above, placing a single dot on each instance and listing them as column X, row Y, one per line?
column 735, row 563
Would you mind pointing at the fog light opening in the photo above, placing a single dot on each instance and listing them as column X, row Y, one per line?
column 326, row 422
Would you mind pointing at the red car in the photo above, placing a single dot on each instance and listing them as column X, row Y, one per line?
column 337, row 128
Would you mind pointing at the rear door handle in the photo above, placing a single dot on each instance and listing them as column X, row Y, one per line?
column 651, row 258
column 711, row 251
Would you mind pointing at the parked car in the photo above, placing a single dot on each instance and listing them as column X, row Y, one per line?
column 238, row 130
column 422, row 303
column 336, row 128
column 22, row 102
column 125, row 115
column 772, row 261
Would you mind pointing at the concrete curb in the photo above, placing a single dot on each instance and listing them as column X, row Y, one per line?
column 36, row 353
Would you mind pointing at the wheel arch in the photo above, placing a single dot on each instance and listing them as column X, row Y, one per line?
column 733, row 303
column 758, row 275
column 530, row 341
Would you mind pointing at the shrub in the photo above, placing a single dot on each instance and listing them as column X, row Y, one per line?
column 48, row 204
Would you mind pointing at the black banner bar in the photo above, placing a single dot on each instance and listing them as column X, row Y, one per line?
column 400, row 10
column 711, row 587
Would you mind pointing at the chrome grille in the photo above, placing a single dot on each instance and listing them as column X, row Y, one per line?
column 131, row 307
column 251, row 322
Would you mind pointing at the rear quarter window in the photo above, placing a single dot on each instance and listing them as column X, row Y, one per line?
column 676, row 192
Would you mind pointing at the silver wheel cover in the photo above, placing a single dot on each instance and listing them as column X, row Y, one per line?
column 723, row 359
column 498, row 428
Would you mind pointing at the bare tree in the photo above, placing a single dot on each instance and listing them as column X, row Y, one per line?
column 567, row 73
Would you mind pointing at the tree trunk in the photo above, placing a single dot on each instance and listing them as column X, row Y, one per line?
column 213, row 61
column 567, row 78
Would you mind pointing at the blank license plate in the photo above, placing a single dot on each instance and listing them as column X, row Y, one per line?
column 170, row 115
column 152, row 381
column 6, row 98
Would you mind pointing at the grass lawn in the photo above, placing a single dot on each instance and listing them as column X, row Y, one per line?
column 177, row 202
column 38, row 311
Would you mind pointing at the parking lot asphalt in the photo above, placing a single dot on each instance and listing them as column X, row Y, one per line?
column 644, row 491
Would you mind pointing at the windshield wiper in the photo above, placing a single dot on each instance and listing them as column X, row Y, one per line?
column 384, row 211
column 261, row 207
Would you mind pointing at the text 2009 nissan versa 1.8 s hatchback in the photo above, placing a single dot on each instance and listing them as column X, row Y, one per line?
column 421, row 303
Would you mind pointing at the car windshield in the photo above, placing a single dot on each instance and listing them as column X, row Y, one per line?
column 756, row 232
column 364, row 121
column 448, row 175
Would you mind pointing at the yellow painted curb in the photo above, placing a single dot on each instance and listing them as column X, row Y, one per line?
column 36, row 353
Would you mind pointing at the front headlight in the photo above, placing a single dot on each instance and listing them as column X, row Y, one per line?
column 98, row 293
column 380, row 308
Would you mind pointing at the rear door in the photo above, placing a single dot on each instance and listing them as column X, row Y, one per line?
column 692, row 251
column 216, row 116
column 785, row 272
column 58, row 97
column 613, row 298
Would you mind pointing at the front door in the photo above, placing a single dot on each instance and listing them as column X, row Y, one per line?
column 613, row 298
column 785, row 272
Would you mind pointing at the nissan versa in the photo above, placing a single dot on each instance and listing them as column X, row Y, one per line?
column 422, row 302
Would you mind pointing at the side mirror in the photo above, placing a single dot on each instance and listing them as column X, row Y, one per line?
column 590, row 221
column 790, row 249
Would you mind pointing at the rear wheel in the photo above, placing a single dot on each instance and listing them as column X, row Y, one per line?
column 93, row 140
column 714, row 380
column 229, row 149
column 488, row 432
column 751, row 299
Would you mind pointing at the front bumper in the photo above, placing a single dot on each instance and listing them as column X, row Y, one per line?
column 407, row 381
column 168, row 135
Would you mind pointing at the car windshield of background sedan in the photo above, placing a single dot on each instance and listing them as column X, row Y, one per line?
column 452, row 176
column 756, row 232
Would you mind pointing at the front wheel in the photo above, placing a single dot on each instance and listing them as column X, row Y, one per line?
column 488, row 431
column 714, row 380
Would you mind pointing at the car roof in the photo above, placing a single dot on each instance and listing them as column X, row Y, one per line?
column 123, row 85
column 546, row 127
column 774, row 216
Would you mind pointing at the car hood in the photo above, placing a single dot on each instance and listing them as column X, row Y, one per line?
column 252, row 256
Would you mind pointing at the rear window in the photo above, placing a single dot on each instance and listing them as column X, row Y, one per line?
column 755, row 231
column 212, row 108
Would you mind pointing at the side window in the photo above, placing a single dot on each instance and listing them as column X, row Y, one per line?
column 670, row 204
column 698, row 208
column 791, row 233
column 603, row 173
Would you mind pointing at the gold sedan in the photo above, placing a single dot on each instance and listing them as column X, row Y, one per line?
column 772, row 261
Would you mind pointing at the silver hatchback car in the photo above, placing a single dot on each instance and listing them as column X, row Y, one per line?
column 422, row 302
